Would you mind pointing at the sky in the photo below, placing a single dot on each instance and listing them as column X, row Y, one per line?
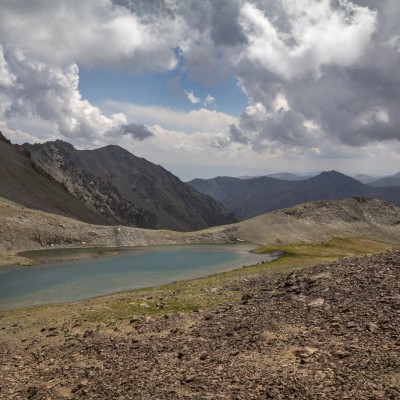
column 208, row 87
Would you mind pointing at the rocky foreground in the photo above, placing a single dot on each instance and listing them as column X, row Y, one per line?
column 327, row 332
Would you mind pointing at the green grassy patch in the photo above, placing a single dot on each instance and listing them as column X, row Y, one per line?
column 308, row 254
column 13, row 259
column 217, row 289
column 203, row 293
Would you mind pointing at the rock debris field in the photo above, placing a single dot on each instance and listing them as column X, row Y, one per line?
column 326, row 332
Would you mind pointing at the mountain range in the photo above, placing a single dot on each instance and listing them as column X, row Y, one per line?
column 392, row 180
column 111, row 186
column 247, row 198
column 107, row 185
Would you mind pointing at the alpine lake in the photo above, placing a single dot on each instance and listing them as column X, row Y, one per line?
column 68, row 275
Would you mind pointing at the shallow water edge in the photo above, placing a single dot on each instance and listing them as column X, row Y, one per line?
column 90, row 274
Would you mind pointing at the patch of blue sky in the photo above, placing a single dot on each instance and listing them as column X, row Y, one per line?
column 168, row 90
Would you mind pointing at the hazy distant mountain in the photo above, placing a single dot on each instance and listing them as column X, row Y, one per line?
column 287, row 176
column 392, row 180
column 363, row 178
column 26, row 184
column 130, row 190
column 251, row 197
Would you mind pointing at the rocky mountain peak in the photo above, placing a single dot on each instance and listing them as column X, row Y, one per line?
column 132, row 190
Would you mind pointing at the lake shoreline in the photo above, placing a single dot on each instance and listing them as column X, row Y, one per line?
column 139, row 276
column 77, row 254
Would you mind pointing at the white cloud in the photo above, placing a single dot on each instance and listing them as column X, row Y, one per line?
column 6, row 78
column 50, row 94
column 191, row 97
column 209, row 100
column 319, row 35
column 321, row 76
column 201, row 120
column 91, row 32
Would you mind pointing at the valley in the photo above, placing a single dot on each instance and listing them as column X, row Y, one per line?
column 321, row 321
column 200, row 200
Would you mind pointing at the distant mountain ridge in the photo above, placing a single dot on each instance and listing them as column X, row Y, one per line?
column 287, row 176
column 392, row 180
column 364, row 178
column 127, row 189
column 251, row 197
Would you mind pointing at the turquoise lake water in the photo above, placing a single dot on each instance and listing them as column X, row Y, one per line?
column 129, row 269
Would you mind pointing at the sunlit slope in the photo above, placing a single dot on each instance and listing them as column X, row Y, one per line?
column 23, row 228
column 322, row 220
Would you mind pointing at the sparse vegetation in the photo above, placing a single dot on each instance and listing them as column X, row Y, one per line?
column 210, row 291
column 271, row 320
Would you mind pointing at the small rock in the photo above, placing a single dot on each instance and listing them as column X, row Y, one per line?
column 305, row 352
column 188, row 378
column 134, row 319
column 32, row 392
column 203, row 356
column 317, row 302
column 372, row 327
column 245, row 298
column 301, row 298
column 341, row 354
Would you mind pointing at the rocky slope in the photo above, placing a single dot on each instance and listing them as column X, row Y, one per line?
column 324, row 332
column 22, row 229
column 251, row 197
column 26, row 184
column 130, row 190
column 26, row 229
column 327, row 332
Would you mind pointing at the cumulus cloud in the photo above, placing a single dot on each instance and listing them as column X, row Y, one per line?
column 51, row 94
column 137, row 131
column 91, row 33
column 6, row 78
column 321, row 77
column 333, row 64
column 319, row 35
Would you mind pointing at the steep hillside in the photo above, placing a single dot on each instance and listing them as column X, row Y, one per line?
column 25, row 184
column 132, row 190
column 251, row 197
column 26, row 229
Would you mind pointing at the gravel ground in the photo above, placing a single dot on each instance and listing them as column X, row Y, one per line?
column 326, row 332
